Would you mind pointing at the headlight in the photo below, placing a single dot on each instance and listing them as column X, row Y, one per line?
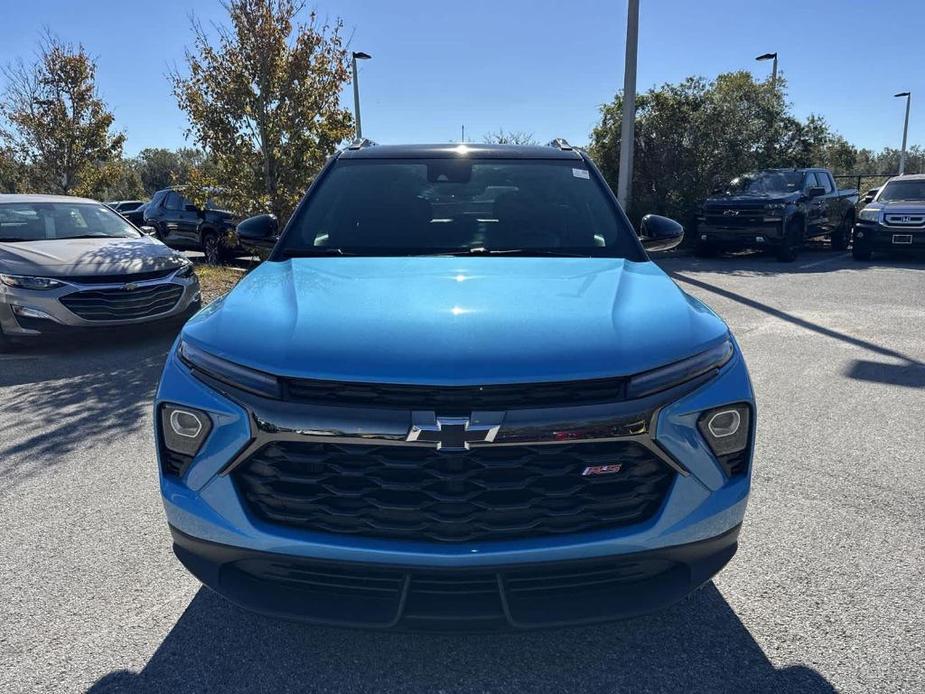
column 228, row 372
column 26, row 282
column 186, row 268
column 775, row 207
column 869, row 214
column 680, row 372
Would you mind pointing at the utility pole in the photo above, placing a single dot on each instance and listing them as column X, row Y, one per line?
column 628, row 129
column 902, row 153
column 771, row 56
column 462, row 138
column 357, row 55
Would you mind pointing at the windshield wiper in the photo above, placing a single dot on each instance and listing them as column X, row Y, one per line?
column 553, row 252
column 313, row 252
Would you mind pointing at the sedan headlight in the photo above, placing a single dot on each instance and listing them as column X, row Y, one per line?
column 869, row 214
column 27, row 282
column 679, row 372
column 228, row 372
column 186, row 268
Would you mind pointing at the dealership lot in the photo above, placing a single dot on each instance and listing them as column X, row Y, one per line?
column 825, row 592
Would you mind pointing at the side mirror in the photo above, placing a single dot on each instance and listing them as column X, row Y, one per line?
column 261, row 231
column 148, row 231
column 815, row 191
column 190, row 208
column 659, row 233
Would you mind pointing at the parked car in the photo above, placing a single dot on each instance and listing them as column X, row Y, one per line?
column 894, row 221
column 777, row 209
column 419, row 415
column 136, row 216
column 123, row 206
column 68, row 264
column 180, row 224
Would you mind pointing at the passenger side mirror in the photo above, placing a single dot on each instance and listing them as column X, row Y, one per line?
column 261, row 231
column 815, row 191
column 148, row 231
column 659, row 233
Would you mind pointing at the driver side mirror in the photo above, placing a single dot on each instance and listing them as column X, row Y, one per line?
column 148, row 231
column 659, row 233
column 261, row 231
column 815, row 191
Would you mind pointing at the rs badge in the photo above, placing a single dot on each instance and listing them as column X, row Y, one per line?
column 594, row 470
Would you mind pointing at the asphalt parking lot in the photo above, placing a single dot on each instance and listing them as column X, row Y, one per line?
column 825, row 594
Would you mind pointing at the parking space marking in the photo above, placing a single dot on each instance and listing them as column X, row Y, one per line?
column 822, row 262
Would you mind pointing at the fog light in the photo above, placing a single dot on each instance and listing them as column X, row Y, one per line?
column 726, row 429
column 28, row 312
column 859, row 234
column 184, row 429
column 723, row 424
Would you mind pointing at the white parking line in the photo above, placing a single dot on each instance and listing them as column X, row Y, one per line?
column 822, row 262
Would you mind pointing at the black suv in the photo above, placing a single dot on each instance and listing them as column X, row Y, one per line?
column 179, row 223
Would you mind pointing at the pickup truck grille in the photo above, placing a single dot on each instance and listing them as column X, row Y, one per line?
column 121, row 304
column 735, row 216
column 419, row 493
column 456, row 398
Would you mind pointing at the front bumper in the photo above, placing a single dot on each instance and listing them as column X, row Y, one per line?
column 878, row 237
column 756, row 236
column 205, row 509
column 46, row 315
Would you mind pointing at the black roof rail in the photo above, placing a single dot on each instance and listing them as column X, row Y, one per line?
column 360, row 143
column 560, row 143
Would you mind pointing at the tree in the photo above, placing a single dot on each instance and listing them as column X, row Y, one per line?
column 263, row 102
column 161, row 168
column 12, row 172
column 513, row 137
column 56, row 124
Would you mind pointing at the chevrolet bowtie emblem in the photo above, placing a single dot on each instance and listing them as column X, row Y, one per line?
column 454, row 433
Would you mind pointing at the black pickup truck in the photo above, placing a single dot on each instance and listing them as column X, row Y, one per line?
column 777, row 209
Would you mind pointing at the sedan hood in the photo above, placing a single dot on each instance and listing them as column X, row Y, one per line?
column 83, row 257
column 451, row 320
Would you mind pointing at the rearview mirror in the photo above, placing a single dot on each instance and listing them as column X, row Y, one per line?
column 659, row 233
column 261, row 231
column 815, row 191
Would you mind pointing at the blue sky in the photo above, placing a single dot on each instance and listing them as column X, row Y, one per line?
column 542, row 66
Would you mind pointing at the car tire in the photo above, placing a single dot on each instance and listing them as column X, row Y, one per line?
column 841, row 236
column 789, row 249
column 705, row 250
column 212, row 248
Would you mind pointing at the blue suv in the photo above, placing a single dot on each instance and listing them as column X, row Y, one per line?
column 458, row 395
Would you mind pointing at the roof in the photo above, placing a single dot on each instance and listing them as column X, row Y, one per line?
column 908, row 177
column 446, row 150
column 11, row 197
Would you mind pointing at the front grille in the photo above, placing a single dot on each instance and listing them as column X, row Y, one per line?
column 419, row 493
column 456, row 398
column 904, row 220
column 744, row 217
column 121, row 304
column 121, row 279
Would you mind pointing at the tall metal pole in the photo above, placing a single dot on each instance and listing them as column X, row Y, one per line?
column 628, row 129
column 356, row 98
column 774, row 73
column 902, row 154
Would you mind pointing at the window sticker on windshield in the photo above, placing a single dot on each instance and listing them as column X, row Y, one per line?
column 581, row 173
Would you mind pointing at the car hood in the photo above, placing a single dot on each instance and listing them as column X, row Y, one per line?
column 753, row 198
column 96, row 256
column 450, row 320
column 899, row 206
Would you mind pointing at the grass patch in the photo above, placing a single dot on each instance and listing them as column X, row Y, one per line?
column 216, row 280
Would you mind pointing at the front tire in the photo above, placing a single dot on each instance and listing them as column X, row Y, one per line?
column 841, row 236
column 213, row 248
column 793, row 239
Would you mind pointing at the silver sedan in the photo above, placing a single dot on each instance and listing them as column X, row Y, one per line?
column 70, row 263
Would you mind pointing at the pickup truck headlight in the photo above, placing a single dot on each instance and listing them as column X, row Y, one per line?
column 869, row 214
column 679, row 372
column 27, row 282
column 228, row 372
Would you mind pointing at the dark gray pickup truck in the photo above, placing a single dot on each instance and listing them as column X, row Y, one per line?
column 777, row 209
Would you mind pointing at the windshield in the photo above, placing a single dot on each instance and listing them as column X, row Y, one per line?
column 459, row 206
column 913, row 191
column 767, row 183
column 48, row 221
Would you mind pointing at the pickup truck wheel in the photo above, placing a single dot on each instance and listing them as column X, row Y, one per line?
column 705, row 250
column 790, row 247
column 212, row 248
column 842, row 235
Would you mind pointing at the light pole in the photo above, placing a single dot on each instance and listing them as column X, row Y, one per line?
column 771, row 56
column 628, row 129
column 357, row 55
column 902, row 154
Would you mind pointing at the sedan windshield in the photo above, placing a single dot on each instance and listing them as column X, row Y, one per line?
column 49, row 221
column 912, row 191
column 459, row 206
column 767, row 183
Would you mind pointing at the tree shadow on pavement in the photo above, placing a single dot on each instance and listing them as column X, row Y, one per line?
column 62, row 394
column 699, row 645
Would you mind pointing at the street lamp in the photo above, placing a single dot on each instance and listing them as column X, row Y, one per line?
column 902, row 154
column 357, row 55
column 628, row 128
column 771, row 56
